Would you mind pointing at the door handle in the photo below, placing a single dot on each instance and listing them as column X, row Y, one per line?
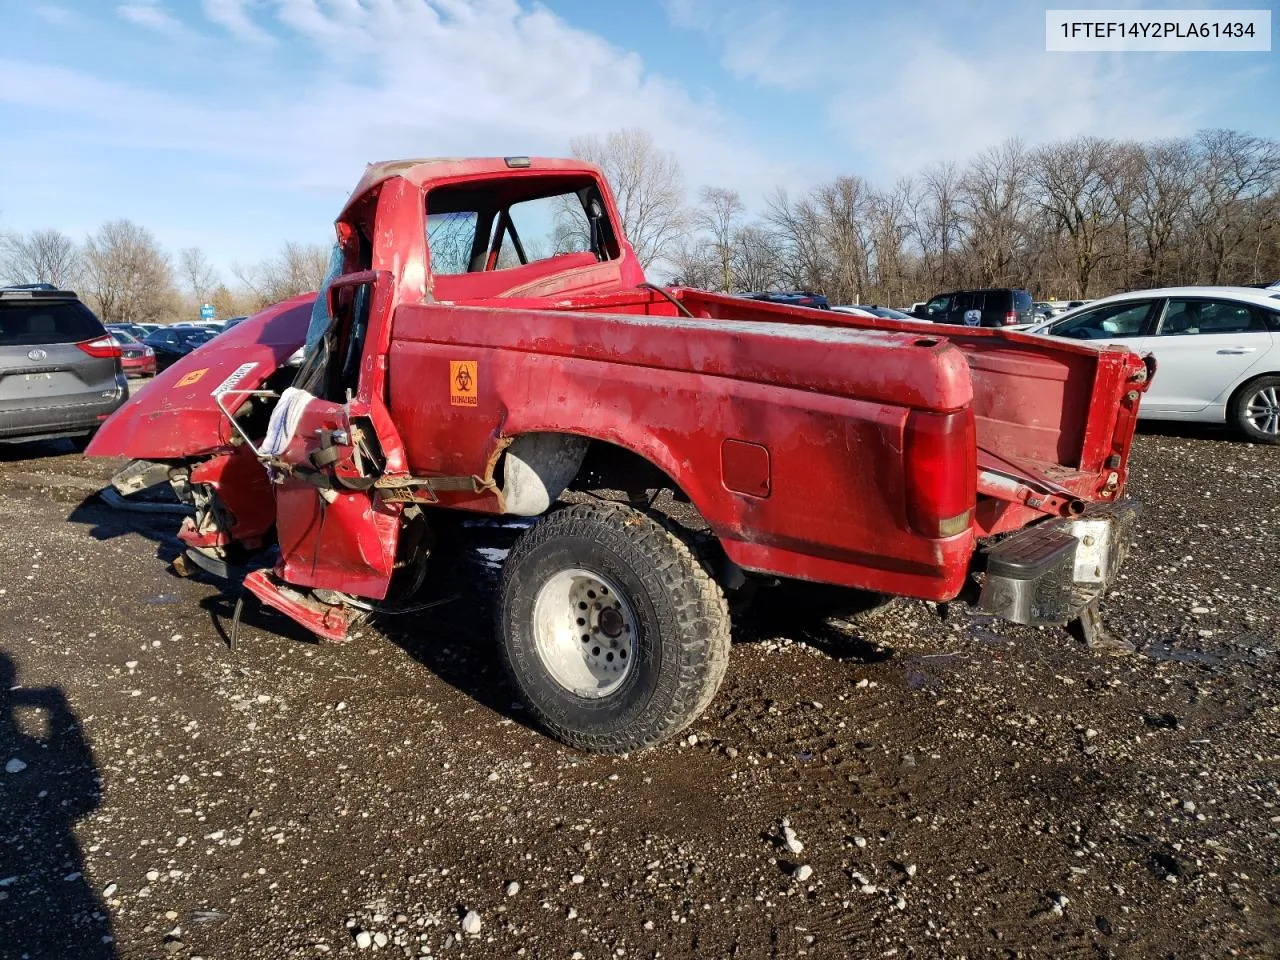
column 1236, row 351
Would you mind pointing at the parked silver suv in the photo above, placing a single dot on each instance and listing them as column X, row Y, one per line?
column 60, row 372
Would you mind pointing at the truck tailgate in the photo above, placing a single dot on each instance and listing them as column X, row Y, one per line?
column 1054, row 415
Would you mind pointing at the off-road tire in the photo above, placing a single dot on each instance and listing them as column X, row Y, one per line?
column 1238, row 413
column 680, row 612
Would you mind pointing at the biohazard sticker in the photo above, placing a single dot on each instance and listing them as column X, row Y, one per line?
column 464, row 383
column 233, row 381
column 192, row 377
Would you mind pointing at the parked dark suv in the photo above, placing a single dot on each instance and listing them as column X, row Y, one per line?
column 996, row 307
column 60, row 370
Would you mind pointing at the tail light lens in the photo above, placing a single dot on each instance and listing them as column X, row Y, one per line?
column 942, row 472
column 104, row 348
column 1011, row 318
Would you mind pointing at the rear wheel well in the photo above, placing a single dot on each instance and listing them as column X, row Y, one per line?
column 1245, row 385
column 607, row 471
column 537, row 468
column 609, row 467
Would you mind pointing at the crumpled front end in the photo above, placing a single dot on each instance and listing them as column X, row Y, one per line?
column 176, row 416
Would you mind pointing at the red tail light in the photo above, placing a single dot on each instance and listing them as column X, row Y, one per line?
column 1011, row 318
column 942, row 472
column 104, row 348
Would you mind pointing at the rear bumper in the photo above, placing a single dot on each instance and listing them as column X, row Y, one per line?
column 1048, row 573
column 64, row 419
column 138, row 366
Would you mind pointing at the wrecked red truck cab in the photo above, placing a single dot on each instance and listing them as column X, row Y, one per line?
column 486, row 342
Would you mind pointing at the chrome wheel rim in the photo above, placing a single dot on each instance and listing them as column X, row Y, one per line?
column 1263, row 410
column 584, row 633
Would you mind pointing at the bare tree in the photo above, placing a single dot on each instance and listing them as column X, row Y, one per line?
column 993, row 196
column 694, row 264
column 718, row 214
column 843, row 222
column 297, row 268
column 41, row 256
column 1161, row 206
column 647, row 183
column 803, row 258
column 1236, row 171
column 757, row 259
column 127, row 276
column 891, row 234
column 938, row 224
column 1074, row 180
column 198, row 274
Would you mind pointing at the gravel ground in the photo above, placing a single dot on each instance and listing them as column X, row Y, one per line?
column 917, row 785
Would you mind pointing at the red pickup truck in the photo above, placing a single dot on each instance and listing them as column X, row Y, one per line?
column 486, row 341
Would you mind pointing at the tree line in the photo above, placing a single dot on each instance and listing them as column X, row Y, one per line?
column 1072, row 219
column 125, row 275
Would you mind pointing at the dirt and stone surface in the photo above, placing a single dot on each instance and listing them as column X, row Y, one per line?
column 918, row 785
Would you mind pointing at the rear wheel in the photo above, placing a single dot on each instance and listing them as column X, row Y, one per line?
column 615, row 635
column 1255, row 411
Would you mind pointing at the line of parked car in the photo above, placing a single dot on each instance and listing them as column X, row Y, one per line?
column 148, row 348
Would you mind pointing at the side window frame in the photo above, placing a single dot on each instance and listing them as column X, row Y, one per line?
column 1254, row 313
column 1155, row 308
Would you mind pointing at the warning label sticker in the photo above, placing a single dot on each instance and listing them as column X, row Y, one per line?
column 192, row 377
column 233, row 381
column 464, row 383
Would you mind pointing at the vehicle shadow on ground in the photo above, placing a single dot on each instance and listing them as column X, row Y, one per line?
column 47, row 908
column 106, row 522
column 824, row 617
column 35, row 450
column 221, row 608
column 1190, row 431
column 454, row 637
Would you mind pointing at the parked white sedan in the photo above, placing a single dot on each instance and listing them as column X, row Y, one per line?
column 1217, row 351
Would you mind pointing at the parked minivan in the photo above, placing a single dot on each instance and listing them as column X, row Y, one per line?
column 60, row 373
column 994, row 307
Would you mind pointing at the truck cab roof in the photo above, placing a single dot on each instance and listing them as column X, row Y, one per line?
column 424, row 170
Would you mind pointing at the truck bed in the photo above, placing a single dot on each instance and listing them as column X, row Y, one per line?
column 1057, row 412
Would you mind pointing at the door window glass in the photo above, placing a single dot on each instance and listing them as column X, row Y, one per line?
column 550, row 227
column 26, row 323
column 938, row 305
column 1114, row 320
column 451, row 239
column 1189, row 317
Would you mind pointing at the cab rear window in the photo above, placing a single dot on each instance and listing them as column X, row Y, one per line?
column 36, row 322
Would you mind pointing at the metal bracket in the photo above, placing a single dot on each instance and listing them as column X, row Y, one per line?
column 217, row 398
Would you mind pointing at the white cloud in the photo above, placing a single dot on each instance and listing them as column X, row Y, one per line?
column 53, row 15
column 355, row 82
column 232, row 16
column 491, row 77
column 946, row 105
column 152, row 16
column 944, row 81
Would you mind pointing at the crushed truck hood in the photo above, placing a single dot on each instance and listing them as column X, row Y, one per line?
column 176, row 415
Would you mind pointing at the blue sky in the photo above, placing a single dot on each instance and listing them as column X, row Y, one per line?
column 235, row 125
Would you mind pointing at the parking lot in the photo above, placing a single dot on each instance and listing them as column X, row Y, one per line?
column 959, row 785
